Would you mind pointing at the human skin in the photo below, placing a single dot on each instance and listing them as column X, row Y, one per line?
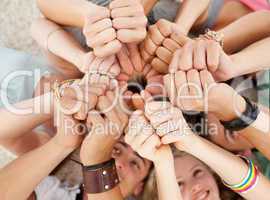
column 133, row 69
column 185, row 140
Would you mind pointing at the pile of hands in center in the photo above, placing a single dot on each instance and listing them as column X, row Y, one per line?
column 122, row 48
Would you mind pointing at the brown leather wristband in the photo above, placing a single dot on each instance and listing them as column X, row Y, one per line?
column 100, row 178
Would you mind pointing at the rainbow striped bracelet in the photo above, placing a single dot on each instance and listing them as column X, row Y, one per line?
column 249, row 182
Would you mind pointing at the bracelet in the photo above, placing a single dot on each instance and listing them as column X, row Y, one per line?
column 249, row 182
column 248, row 117
column 100, row 178
column 49, row 35
column 58, row 87
column 213, row 35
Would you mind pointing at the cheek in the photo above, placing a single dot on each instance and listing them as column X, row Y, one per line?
column 211, row 183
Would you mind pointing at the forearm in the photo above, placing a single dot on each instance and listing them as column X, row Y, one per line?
column 148, row 5
column 252, row 59
column 66, row 12
column 114, row 194
column 189, row 12
column 56, row 40
column 166, row 181
column 232, row 169
column 246, row 30
column 258, row 133
column 19, row 178
column 24, row 116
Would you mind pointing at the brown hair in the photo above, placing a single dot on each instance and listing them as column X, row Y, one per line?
column 151, row 193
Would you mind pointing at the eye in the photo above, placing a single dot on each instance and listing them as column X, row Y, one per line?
column 180, row 184
column 197, row 173
column 135, row 164
column 117, row 151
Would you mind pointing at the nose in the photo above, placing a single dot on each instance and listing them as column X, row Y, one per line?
column 196, row 187
column 120, row 162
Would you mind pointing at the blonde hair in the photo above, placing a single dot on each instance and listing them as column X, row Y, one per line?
column 151, row 191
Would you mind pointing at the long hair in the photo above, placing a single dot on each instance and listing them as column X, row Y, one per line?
column 151, row 191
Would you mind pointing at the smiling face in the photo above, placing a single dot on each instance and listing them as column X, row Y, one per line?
column 195, row 180
column 131, row 168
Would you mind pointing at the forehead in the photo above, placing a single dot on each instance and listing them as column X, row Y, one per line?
column 185, row 164
column 131, row 153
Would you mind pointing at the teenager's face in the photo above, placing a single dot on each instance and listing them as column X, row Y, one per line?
column 131, row 168
column 195, row 181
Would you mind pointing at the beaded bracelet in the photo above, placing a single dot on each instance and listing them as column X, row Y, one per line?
column 249, row 182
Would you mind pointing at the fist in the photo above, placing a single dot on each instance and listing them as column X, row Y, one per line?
column 161, row 42
column 129, row 20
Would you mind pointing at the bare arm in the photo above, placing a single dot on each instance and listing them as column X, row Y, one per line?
column 258, row 133
column 33, row 112
column 253, row 58
column 66, row 12
column 189, row 12
column 30, row 168
column 55, row 40
column 229, row 167
column 246, row 30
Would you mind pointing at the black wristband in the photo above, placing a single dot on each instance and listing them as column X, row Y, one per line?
column 246, row 119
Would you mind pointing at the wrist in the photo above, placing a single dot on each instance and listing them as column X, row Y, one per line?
column 79, row 60
column 233, row 110
column 186, row 142
column 92, row 156
column 85, row 8
column 60, row 147
column 240, row 67
column 93, row 160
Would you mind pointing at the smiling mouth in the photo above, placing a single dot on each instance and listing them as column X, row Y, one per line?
column 202, row 195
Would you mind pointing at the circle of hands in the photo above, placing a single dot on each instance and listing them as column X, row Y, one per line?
column 171, row 65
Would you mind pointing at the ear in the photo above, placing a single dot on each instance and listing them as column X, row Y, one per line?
column 138, row 189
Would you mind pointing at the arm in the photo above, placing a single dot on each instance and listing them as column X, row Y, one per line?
column 252, row 59
column 189, row 12
column 92, row 152
column 148, row 5
column 148, row 145
column 258, row 132
column 55, row 40
column 246, row 30
column 31, row 168
column 18, row 124
column 66, row 12
column 229, row 167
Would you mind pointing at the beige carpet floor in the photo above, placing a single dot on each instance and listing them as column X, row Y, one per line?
column 16, row 17
column 15, row 20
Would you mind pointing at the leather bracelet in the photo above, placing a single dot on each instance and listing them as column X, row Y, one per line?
column 248, row 117
column 100, row 178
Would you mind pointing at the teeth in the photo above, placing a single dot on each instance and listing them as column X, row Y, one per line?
column 203, row 195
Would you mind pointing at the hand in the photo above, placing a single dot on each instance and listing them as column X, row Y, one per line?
column 100, row 34
column 169, row 123
column 69, row 129
column 133, row 69
column 105, row 131
column 142, row 138
column 203, row 54
column 129, row 20
column 162, row 40
column 102, row 71
column 198, row 91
